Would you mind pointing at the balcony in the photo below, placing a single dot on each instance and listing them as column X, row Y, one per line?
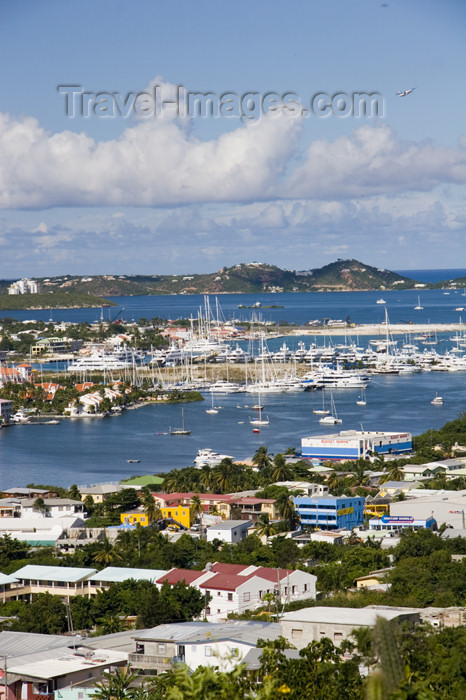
column 148, row 660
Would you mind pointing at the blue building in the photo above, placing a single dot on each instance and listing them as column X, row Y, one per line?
column 355, row 444
column 330, row 513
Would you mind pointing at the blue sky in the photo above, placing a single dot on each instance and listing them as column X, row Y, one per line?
column 167, row 194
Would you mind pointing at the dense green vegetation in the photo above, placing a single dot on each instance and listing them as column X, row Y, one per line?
column 52, row 300
column 246, row 278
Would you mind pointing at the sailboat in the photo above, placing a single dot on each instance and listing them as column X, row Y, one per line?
column 418, row 307
column 321, row 411
column 182, row 430
column 259, row 420
column 212, row 409
column 362, row 399
column 331, row 419
column 438, row 401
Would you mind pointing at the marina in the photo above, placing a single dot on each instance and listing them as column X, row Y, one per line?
column 386, row 384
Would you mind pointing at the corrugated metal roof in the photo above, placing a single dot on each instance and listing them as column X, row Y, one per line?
column 23, row 643
column 68, row 574
column 61, row 661
column 175, row 631
column 120, row 573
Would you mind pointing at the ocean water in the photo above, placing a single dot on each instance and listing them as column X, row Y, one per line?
column 434, row 276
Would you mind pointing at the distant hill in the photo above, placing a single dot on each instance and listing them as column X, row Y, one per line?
column 254, row 278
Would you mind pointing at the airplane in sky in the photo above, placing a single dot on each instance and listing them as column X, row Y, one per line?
column 403, row 93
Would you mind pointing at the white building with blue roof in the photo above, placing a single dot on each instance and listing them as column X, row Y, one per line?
column 355, row 444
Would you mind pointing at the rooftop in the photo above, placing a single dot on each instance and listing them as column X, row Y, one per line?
column 120, row 573
column 359, row 617
column 231, row 524
column 68, row 574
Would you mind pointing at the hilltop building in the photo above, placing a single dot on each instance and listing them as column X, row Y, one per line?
column 24, row 286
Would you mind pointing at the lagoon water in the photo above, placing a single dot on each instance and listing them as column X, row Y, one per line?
column 92, row 450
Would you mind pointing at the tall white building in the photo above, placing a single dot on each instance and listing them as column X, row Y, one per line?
column 24, row 286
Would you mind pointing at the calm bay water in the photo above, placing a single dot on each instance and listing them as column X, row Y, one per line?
column 91, row 450
column 96, row 449
column 299, row 308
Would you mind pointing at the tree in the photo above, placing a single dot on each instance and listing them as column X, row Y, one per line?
column 264, row 528
column 46, row 614
column 262, row 459
column 285, row 506
column 281, row 471
column 74, row 493
column 196, row 507
column 107, row 554
column 393, row 473
column 116, row 685
column 223, row 475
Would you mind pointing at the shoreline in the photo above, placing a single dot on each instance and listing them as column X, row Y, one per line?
column 383, row 329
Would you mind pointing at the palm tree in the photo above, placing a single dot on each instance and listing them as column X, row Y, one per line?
column 206, row 479
column 286, row 510
column 262, row 459
column 195, row 508
column 393, row 473
column 106, row 554
column 264, row 528
column 116, row 685
column 222, row 475
column 360, row 477
column 281, row 471
column 151, row 508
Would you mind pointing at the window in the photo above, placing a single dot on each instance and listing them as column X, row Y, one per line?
column 219, row 592
column 161, row 648
column 247, row 596
column 293, row 590
column 305, row 587
column 139, row 648
column 296, row 633
column 230, row 596
column 208, row 651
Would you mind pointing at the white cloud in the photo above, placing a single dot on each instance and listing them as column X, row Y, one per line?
column 160, row 162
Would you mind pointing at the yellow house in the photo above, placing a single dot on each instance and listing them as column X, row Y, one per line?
column 181, row 514
column 374, row 578
column 135, row 517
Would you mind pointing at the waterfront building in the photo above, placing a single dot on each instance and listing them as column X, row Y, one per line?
column 355, row 444
column 330, row 513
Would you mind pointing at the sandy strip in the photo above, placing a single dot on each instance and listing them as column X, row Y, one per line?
column 381, row 329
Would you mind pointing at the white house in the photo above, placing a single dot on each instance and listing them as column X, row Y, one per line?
column 230, row 531
column 234, row 588
column 53, row 507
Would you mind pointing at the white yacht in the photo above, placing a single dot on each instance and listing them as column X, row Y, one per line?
column 208, row 457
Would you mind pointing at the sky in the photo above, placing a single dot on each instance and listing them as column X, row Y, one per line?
column 107, row 167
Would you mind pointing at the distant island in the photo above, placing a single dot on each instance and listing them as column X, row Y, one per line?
column 70, row 291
